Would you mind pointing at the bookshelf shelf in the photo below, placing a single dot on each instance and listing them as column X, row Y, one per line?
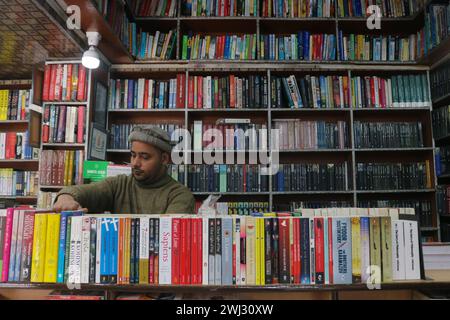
column 277, row 193
column 66, row 103
column 441, row 101
column 426, row 149
column 143, row 110
column 63, row 145
column 28, row 165
column 52, row 187
column 444, row 176
column 436, row 53
column 14, row 125
column 315, row 150
column 398, row 285
column 395, row 191
column 230, row 193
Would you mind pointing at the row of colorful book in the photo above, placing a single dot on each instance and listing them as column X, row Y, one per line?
column 387, row 8
column 304, row 45
column 15, row 145
column 147, row 93
column 61, row 167
column 220, row 8
column 275, row 8
column 14, row 104
column 253, row 91
column 65, row 82
column 14, row 183
column 63, row 124
column 161, row 45
column 325, row 246
column 218, row 47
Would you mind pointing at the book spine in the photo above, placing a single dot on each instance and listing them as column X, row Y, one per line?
column 27, row 247
column 165, row 250
column 39, row 237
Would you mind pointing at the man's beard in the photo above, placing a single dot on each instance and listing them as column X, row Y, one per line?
column 139, row 176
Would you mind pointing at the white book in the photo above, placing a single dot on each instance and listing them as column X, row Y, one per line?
column 365, row 248
column 412, row 257
column 75, row 250
column 151, row 83
column 237, row 239
column 165, row 250
column 198, row 135
column 85, row 249
column 98, row 251
column 205, row 253
column 398, row 250
column 19, row 245
column 2, row 145
column 141, row 88
column 144, row 239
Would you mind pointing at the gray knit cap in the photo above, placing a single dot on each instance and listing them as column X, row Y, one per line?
column 153, row 135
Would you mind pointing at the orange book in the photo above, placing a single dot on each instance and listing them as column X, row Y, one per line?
column 69, row 83
column 121, row 251
column 127, row 252
column 232, row 91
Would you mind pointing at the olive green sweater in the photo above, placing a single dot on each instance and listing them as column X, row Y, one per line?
column 123, row 194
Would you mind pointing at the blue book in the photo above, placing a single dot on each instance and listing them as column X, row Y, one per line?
column 438, row 162
column 162, row 88
column 281, row 55
column 300, row 45
column 62, row 242
column 143, row 45
column 281, row 179
column 305, row 256
column 342, row 251
column 104, row 251
column 306, row 45
column 130, row 98
column 227, row 251
column 114, row 236
column 226, row 54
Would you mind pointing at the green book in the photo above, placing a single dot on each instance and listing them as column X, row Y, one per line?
column 426, row 95
column 414, row 88
column 394, row 87
column 401, row 96
column 419, row 88
column 223, row 178
column 185, row 45
column 407, row 90
column 94, row 171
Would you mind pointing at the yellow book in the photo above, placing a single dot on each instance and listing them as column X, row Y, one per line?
column 428, row 172
column 51, row 248
column 250, row 250
column 258, row 251
column 263, row 251
column 143, row 250
column 38, row 256
column 356, row 250
column 386, row 248
column 70, row 159
column 66, row 168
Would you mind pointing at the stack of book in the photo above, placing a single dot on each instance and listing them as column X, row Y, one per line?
column 15, row 183
column 219, row 8
column 64, row 124
column 61, row 167
column 298, row 9
column 15, row 145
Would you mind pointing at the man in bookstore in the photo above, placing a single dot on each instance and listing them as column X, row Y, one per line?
column 149, row 190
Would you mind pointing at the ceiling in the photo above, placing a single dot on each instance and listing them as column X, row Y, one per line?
column 31, row 31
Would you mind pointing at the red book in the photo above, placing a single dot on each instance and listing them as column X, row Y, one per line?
column 168, row 7
column 183, row 251
column 176, row 251
column 46, row 85
column 61, row 163
column 291, row 251
column 181, row 90
column 81, row 96
column 146, row 94
column 188, row 246
column 200, row 92
column 372, row 92
column 382, row 91
column 81, row 124
column 58, row 81
column 194, row 251
column 296, row 250
column 330, row 249
column 51, row 90
column 319, row 249
column 69, row 82
column 7, row 244
column 191, row 92
column 11, row 141
column 200, row 250
column 284, row 258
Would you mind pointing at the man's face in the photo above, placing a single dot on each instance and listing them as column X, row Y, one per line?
column 147, row 161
